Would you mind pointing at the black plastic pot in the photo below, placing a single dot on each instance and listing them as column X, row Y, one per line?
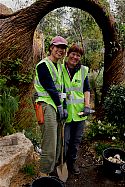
column 48, row 182
column 110, row 167
column 123, row 170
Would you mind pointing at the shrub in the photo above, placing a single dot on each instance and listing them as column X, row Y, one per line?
column 8, row 108
column 34, row 134
column 101, row 146
column 114, row 105
column 96, row 82
column 101, row 130
column 11, row 70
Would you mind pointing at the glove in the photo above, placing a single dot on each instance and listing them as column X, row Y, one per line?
column 86, row 111
column 65, row 114
column 60, row 113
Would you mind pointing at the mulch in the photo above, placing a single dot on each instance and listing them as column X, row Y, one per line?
column 92, row 171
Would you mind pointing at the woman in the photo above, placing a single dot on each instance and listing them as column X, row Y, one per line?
column 77, row 99
column 49, row 88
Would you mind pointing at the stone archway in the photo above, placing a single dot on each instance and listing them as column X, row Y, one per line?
column 18, row 30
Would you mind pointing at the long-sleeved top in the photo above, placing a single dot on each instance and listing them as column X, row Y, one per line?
column 72, row 71
column 48, row 84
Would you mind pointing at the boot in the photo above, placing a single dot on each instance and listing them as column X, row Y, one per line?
column 74, row 169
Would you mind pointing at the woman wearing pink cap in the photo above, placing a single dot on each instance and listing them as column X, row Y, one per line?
column 49, row 87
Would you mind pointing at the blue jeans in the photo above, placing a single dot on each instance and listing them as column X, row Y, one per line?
column 72, row 138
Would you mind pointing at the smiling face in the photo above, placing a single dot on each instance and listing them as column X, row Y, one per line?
column 74, row 55
column 57, row 52
column 73, row 59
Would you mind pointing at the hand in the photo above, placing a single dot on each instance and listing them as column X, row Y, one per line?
column 65, row 115
column 60, row 113
column 86, row 111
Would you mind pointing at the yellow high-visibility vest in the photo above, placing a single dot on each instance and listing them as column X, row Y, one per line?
column 74, row 93
column 56, row 75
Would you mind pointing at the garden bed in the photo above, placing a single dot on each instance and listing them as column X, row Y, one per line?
column 92, row 174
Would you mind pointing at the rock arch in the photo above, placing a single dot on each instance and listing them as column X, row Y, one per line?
column 18, row 29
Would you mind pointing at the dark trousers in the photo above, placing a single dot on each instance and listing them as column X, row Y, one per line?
column 73, row 133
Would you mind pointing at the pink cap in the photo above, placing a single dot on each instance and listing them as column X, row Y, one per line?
column 58, row 40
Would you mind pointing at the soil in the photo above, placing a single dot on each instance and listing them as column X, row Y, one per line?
column 92, row 172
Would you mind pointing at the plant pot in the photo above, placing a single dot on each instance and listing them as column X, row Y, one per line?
column 50, row 181
column 110, row 167
column 123, row 170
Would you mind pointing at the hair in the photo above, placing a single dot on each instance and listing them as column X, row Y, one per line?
column 76, row 48
column 49, row 48
column 52, row 45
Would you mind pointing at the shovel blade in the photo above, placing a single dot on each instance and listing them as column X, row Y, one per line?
column 62, row 172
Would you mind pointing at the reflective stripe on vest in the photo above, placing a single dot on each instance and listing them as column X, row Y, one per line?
column 56, row 75
column 80, row 89
column 56, row 85
column 74, row 91
column 61, row 95
column 75, row 101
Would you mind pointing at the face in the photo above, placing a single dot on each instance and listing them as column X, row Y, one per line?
column 57, row 52
column 73, row 59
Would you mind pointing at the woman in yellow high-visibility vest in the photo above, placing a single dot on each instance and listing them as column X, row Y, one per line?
column 77, row 100
column 49, row 87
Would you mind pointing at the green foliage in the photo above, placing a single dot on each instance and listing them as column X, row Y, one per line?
column 96, row 83
column 101, row 130
column 29, row 169
column 52, row 25
column 8, row 108
column 121, row 32
column 76, row 26
column 120, row 19
column 47, row 43
column 105, row 4
column 114, row 105
column 34, row 134
column 100, row 147
column 11, row 71
column 11, row 82
column 84, row 27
